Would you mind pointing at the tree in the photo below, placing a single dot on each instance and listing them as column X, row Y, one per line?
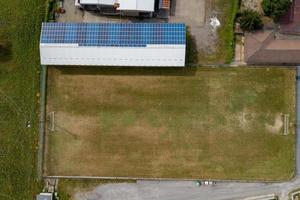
column 250, row 20
column 276, row 8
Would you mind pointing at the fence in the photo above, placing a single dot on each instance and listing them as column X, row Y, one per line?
column 42, row 103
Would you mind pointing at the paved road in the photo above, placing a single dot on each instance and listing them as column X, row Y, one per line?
column 187, row 190
column 298, row 123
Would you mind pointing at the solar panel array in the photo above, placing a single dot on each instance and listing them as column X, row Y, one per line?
column 113, row 34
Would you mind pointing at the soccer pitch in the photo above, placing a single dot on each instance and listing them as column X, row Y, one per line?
column 222, row 123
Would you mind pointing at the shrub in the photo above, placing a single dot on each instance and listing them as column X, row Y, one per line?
column 276, row 8
column 250, row 20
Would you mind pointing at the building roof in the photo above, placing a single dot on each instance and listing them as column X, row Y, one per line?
column 139, row 5
column 98, row 2
column 136, row 5
column 113, row 34
column 165, row 4
column 115, row 44
column 268, row 47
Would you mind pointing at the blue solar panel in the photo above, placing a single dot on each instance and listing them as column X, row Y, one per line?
column 113, row 34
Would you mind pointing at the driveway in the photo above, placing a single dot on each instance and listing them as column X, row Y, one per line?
column 191, row 12
column 196, row 15
column 72, row 14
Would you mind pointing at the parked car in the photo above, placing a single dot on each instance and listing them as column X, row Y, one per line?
column 208, row 183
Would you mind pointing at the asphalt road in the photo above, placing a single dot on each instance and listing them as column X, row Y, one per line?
column 187, row 190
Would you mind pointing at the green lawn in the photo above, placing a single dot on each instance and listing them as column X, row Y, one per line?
column 19, row 33
column 223, row 123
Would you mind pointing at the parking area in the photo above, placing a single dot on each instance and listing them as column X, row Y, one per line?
column 191, row 12
column 194, row 13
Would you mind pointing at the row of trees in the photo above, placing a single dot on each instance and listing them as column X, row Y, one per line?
column 250, row 20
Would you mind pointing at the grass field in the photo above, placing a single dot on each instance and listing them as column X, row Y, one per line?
column 171, row 123
column 19, row 35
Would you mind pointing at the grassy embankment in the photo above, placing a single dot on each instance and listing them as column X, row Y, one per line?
column 19, row 80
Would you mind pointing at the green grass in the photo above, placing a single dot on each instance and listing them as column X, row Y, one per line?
column 20, row 26
column 172, row 123
column 225, row 44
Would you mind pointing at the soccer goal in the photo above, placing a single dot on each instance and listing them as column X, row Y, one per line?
column 51, row 118
column 286, row 124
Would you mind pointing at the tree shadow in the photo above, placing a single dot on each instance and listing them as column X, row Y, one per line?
column 5, row 51
column 173, row 7
column 191, row 49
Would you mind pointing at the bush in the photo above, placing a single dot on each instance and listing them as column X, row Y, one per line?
column 250, row 20
column 276, row 8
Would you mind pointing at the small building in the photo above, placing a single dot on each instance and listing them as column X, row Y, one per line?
column 270, row 48
column 44, row 196
column 113, row 44
column 144, row 8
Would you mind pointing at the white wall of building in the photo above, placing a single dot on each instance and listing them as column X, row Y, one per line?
column 98, row 2
column 138, row 5
column 152, row 55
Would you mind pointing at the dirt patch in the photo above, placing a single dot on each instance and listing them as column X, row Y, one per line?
column 246, row 119
column 276, row 128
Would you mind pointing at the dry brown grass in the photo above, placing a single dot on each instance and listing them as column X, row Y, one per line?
column 190, row 123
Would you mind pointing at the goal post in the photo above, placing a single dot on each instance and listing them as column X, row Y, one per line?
column 51, row 126
column 286, row 124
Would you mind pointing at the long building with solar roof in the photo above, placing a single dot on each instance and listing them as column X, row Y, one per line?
column 113, row 44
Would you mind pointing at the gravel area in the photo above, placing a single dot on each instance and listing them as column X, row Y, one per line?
column 252, row 5
column 195, row 14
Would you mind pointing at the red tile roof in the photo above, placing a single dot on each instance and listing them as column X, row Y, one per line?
column 165, row 4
